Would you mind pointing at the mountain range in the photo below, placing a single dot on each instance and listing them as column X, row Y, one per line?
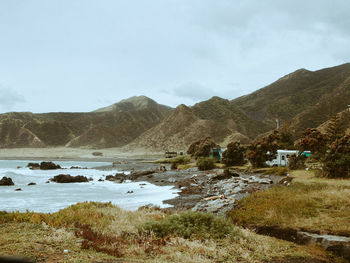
column 300, row 100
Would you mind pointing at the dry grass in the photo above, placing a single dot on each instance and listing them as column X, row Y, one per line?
column 309, row 203
column 95, row 232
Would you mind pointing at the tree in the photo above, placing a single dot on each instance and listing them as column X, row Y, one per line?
column 313, row 140
column 336, row 163
column 202, row 148
column 261, row 151
column 286, row 138
column 234, row 155
column 336, row 128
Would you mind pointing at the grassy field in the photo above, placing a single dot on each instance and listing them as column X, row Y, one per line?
column 308, row 203
column 95, row 232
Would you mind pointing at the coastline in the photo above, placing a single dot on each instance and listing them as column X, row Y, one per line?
column 75, row 154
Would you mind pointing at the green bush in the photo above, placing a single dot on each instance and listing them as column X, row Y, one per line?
column 184, row 159
column 336, row 162
column 297, row 162
column 190, row 225
column 234, row 155
column 205, row 163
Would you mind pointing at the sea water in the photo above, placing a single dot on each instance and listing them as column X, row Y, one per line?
column 51, row 197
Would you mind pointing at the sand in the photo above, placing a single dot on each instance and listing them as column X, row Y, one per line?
column 66, row 153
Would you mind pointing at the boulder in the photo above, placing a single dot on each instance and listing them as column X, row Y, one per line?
column 33, row 165
column 136, row 175
column 119, row 177
column 49, row 166
column 18, row 189
column 227, row 174
column 6, row 181
column 66, row 178
column 31, row 184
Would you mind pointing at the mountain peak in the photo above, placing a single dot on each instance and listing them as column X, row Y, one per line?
column 132, row 103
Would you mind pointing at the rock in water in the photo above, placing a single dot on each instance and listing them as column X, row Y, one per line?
column 67, row 178
column 6, row 181
column 33, row 165
column 31, row 184
column 49, row 166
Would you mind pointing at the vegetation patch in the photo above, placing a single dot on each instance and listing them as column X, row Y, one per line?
column 191, row 224
column 308, row 203
column 101, row 232
column 205, row 163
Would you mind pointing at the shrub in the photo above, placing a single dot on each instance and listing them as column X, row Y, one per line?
column 296, row 162
column 181, row 159
column 265, row 149
column 336, row 163
column 205, row 163
column 202, row 147
column 313, row 140
column 234, row 155
column 190, row 225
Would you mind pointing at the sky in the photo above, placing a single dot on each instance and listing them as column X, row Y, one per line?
column 80, row 55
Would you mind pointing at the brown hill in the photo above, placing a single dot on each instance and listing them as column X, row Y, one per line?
column 214, row 118
column 134, row 103
column 96, row 129
column 303, row 98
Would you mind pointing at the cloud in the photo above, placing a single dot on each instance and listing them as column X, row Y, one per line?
column 9, row 98
column 193, row 91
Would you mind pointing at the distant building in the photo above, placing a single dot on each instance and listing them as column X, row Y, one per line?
column 216, row 153
column 282, row 157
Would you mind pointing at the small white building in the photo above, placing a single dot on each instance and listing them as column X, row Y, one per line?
column 282, row 158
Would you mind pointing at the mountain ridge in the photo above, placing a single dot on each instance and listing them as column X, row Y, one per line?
column 300, row 100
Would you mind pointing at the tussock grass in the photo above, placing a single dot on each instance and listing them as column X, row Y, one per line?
column 308, row 203
column 101, row 232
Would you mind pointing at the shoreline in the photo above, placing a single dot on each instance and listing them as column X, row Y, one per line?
column 75, row 154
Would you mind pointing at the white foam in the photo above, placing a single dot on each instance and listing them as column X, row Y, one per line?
column 51, row 197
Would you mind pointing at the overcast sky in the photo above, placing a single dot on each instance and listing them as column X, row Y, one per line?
column 80, row 55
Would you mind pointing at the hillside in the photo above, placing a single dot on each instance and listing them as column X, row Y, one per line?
column 96, row 129
column 344, row 121
column 214, row 118
column 303, row 98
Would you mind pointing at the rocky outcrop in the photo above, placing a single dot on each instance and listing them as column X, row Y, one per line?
column 44, row 166
column 49, row 166
column 66, row 178
column 6, row 181
column 135, row 175
column 119, row 177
